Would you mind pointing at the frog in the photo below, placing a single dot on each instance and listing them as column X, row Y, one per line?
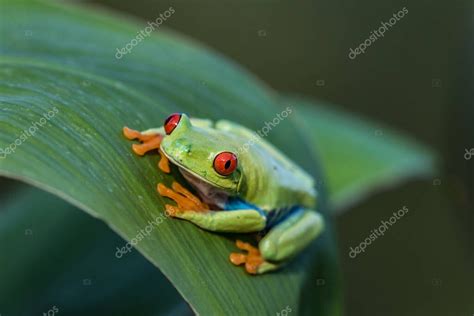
column 242, row 184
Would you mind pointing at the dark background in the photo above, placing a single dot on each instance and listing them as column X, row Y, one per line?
column 418, row 79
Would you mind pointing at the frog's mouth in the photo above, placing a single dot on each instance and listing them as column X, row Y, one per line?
column 209, row 192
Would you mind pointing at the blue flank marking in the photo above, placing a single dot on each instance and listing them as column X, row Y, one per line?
column 273, row 218
column 235, row 203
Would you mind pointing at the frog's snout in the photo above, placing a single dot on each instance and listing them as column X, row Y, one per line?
column 180, row 150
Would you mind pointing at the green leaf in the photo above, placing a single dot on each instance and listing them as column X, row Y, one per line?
column 80, row 155
column 71, row 269
column 61, row 59
column 358, row 156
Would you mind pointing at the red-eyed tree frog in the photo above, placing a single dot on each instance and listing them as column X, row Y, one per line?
column 241, row 189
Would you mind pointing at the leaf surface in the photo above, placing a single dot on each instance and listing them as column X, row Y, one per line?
column 81, row 156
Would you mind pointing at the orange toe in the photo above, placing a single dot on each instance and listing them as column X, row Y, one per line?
column 185, row 200
column 164, row 163
column 253, row 259
column 246, row 246
column 237, row 258
column 151, row 144
column 130, row 133
column 171, row 210
column 149, row 141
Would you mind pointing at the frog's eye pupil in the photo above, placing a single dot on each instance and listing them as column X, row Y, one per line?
column 171, row 122
column 225, row 163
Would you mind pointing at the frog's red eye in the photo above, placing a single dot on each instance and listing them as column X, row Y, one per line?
column 171, row 122
column 225, row 163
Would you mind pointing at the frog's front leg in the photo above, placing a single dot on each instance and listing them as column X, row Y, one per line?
column 282, row 242
column 235, row 221
column 192, row 209
column 150, row 140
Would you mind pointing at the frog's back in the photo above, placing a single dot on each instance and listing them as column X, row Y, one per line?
column 272, row 180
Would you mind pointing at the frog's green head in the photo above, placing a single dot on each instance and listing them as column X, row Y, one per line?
column 202, row 152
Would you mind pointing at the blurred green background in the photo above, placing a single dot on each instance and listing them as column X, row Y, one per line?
column 418, row 79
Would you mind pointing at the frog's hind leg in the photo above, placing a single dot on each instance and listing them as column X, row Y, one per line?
column 291, row 236
column 282, row 242
column 253, row 260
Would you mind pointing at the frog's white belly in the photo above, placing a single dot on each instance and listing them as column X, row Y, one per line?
column 207, row 192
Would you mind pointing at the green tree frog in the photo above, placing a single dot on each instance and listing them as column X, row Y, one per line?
column 240, row 189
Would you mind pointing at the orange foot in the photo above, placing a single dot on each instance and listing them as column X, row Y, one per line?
column 253, row 259
column 186, row 200
column 149, row 142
